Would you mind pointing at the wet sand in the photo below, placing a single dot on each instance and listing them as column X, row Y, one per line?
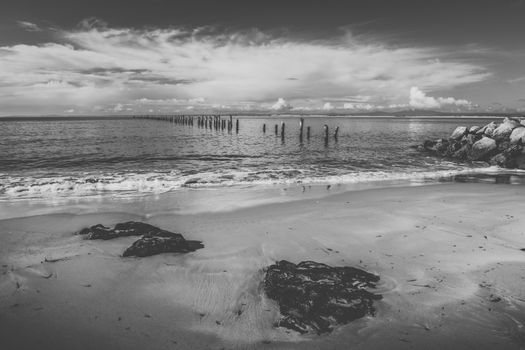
column 452, row 272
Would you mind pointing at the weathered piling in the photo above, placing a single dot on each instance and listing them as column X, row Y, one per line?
column 237, row 126
column 276, row 129
column 301, row 124
column 336, row 133
column 308, row 132
column 282, row 129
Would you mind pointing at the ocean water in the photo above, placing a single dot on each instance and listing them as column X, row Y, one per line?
column 84, row 157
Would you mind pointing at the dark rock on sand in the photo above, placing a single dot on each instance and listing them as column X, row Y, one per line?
column 315, row 297
column 162, row 242
column 154, row 240
column 98, row 232
column 130, row 228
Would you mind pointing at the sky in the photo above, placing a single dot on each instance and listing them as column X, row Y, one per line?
column 161, row 57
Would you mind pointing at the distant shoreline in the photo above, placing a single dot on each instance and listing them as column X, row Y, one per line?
column 248, row 115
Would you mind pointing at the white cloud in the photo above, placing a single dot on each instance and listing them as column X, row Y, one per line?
column 119, row 107
column 365, row 106
column 418, row 99
column 328, row 106
column 30, row 27
column 103, row 66
column 281, row 105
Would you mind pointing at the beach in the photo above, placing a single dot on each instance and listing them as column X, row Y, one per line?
column 448, row 255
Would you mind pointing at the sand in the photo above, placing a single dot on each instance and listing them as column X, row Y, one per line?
column 452, row 272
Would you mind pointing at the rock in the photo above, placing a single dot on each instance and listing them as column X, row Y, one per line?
column 487, row 129
column 161, row 242
column 513, row 122
column 503, row 131
column 462, row 153
column 130, row 228
column 315, row 297
column 459, row 132
column 439, row 146
column 473, row 129
column 135, row 228
column 507, row 158
column 483, row 148
column 472, row 138
column 153, row 241
column 517, row 136
column 98, row 232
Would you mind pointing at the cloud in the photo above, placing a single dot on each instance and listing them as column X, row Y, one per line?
column 362, row 106
column 97, row 65
column 119, row 107
column 281, row 105
column 30, row 27
column 328, row 106
column 418, row 99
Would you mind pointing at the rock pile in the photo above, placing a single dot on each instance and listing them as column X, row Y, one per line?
column 315, row 297
column 501, row 144
column 153, row 241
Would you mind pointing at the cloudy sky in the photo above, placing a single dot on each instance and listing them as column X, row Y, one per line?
column 160, row 56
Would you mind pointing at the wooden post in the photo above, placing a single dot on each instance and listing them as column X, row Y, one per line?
column 237, row 126
column 308, row 132
column 264, row 128
column 301, row 124
column 325, row 134
column 282, row 130
column 336, row 133
column 276, row 129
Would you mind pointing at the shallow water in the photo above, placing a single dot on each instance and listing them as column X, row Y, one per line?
column 77, row 157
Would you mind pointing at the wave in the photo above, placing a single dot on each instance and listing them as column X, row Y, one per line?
column 126, row 184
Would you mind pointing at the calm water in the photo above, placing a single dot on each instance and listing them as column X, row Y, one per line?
column 85, row 157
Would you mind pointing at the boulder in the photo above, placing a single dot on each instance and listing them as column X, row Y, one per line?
column 508, row 158
column 473, row 129
column 463, row 153
column 503, row 131
column 153, row 241
column 483, row 149
column 513, row 122
column 472, row 138
column 315, row 297
column 438, row 146
column 459, row 132
column 161, row 242
column 135, row 228
column 98, row 232
column 487, row 129
column 130, row 228
column 517, row 136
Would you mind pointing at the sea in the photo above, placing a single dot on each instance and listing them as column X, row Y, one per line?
column 87, row 156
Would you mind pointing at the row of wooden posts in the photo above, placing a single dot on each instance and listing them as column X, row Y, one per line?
column 217, row 122
column 301, row 130
column 201, row 121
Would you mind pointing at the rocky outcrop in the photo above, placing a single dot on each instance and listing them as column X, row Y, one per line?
column 130, row 228
column 500, row 144
column 153, row 241
column 315, row 297
column 162, row 242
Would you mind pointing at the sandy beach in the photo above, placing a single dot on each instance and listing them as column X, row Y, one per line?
column 449, row 258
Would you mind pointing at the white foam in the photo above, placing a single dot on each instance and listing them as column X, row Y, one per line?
column 140, row 183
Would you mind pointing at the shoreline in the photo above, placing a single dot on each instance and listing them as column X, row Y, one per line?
column 442, row 252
